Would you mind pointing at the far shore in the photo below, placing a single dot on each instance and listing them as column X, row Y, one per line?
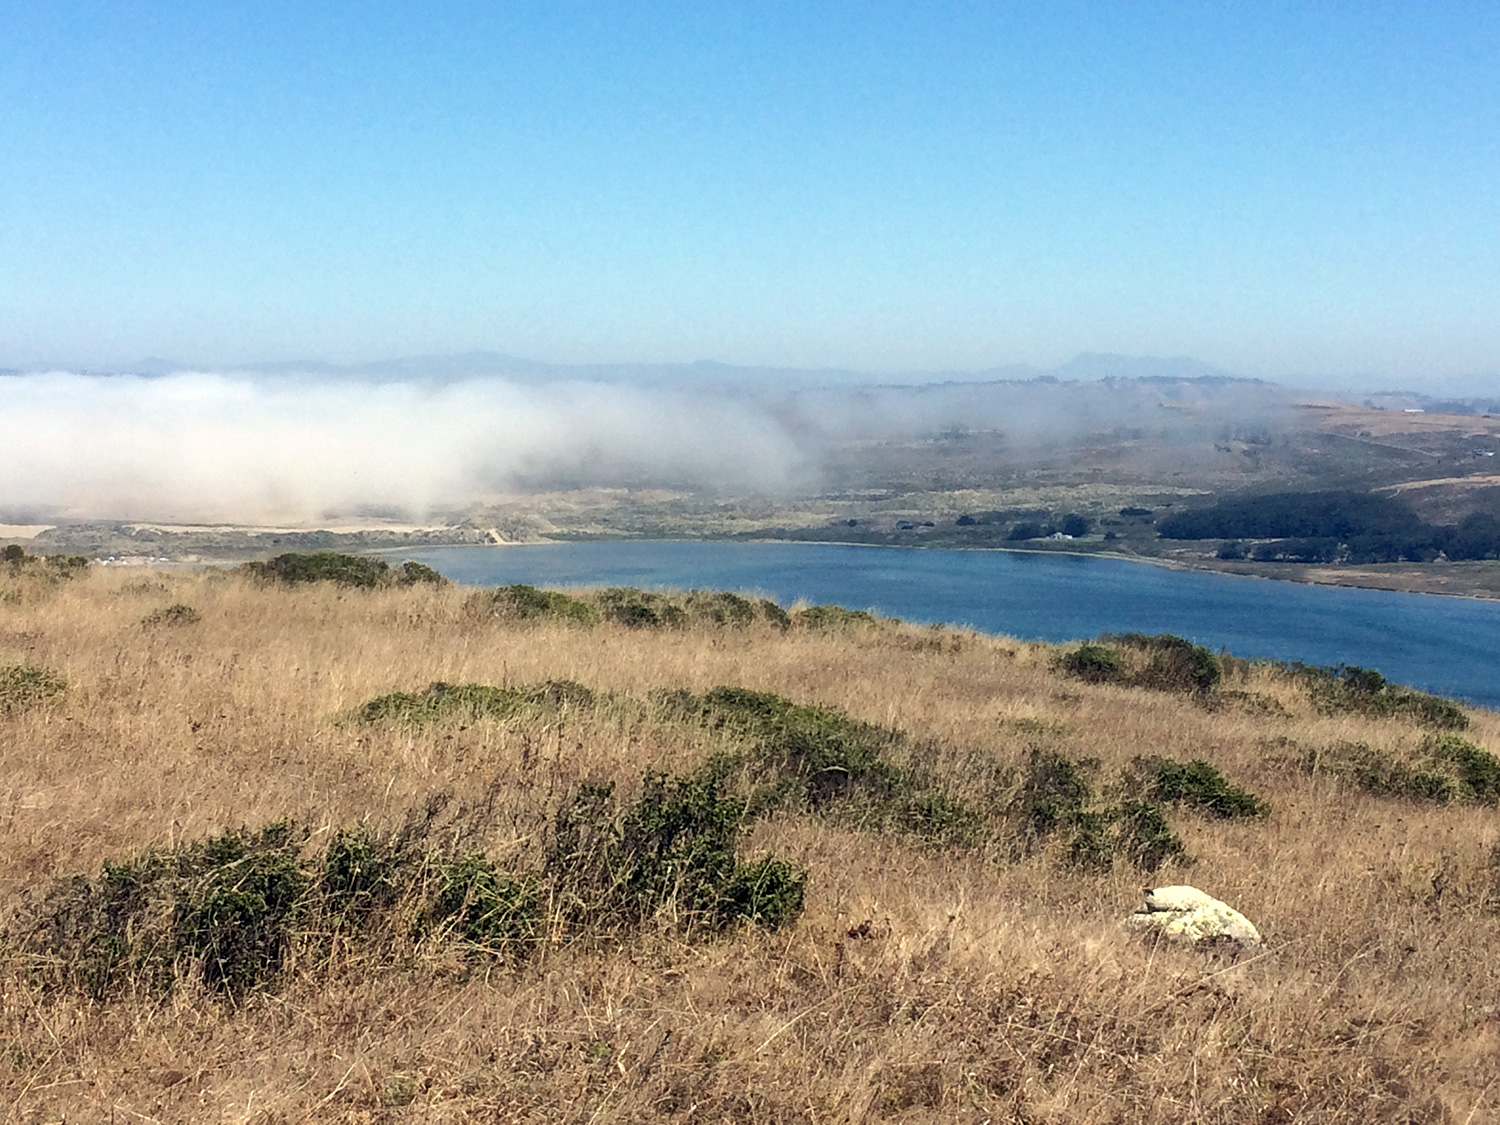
column 1476, row 580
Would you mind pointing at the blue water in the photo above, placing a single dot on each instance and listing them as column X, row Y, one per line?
column 1450, row 646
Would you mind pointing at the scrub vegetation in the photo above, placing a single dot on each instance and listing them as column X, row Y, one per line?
column 275, row 849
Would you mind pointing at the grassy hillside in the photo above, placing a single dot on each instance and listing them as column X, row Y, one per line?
column 281, row 852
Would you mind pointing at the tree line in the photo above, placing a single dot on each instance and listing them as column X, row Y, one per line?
column 1356, row 527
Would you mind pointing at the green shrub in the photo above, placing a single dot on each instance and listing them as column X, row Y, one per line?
column 1196, row 783
column 1174, row 664
column 1095, row 664
column 938, row 819
column 672, row 854
column 49, row 568
column 831, row 618
column 1478, row 770
column 292, row 568
column 767, row 893
column 1346, row 688
column 1093, row 843
column 23, row 686
column 177, row 614
column 641, row 609
column 415, row 573
column 231, row 910
column 721, row 609
column 1430, row 710
column 1054, row 793
column 677, row 846
column 1057, row 799
column 1146, row 838
column 808, row 744
column 243, row 892
column 486, row 908
column 527, row 603
column 820, row 759
column 221, row 910
column 1444, row 769
column 633, row 608
column 439, row 702
column 1362, row 764
column 774, row 614
column 361, row 873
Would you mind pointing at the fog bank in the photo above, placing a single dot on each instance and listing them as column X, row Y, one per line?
column 271, row 447
column 206, row 447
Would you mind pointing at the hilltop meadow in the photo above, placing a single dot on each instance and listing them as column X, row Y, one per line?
column 324, row 841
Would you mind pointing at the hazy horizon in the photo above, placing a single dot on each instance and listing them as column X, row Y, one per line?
column 256, row 446
column 709, row 371
column 1301, row 194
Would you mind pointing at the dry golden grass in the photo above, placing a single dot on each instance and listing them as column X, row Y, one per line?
column 917, row 985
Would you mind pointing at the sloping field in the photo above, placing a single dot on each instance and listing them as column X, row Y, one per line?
column 276, row 853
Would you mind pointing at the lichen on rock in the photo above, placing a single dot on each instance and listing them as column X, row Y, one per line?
column 1187, row 916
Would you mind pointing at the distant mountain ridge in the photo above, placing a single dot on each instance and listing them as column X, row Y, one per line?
column 1085, row 367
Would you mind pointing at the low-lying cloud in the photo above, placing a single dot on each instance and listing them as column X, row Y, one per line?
column 206, row 446
column 271, row 447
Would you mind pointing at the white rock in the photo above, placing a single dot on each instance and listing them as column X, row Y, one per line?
column 1186, row 915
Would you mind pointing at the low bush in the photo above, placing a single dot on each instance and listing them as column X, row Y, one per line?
column 235, row 899
column 220, row 910
column 1349, row 688
column 1246, row 703
column 1054, row 794
column 19, row 562
column 233, row 911
column 936, row 818
column 419, row 574
column 527, row 603
column 1057, row 800
column 439, row 702
column 1477, row 770
column 484, row 907
column 633, row 608
column 1162, row 663
column 177, row 614
column 362, row 873
column 1144, row 836
column 821, row 750
column 1174, row 664
column 641, row 609
column 23, row 686
column 672, row 854
column 820, row 759
column 1197, row 784
column 722, row 608
column 1094, row 664
column 355, row 571
column 293, row 568
column 774, row 614
column 832, row 618
column 1444, row 769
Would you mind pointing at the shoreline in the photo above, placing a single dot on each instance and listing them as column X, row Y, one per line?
column 1309, row 577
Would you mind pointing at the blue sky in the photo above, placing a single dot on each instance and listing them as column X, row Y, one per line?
column 1289, row 190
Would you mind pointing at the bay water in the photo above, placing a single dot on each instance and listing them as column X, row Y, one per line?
column 1449, row 646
